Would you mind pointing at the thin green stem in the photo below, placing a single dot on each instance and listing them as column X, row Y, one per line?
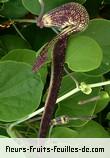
column 99, row 84
column 50, row 131
column 55, row 30
column 10, row 127
column 96, row 98
column 19, row 33
column 72, row 77
column 25, row 20
column 42, row 8
column 68, row 94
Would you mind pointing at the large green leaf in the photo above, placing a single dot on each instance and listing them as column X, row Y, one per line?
column 27, row 56
column 3, row 1
column 71, row 106
column 102, row 102
column 83, row 54
column 13, row 9
column 99, row 30
column 23, row 55
column 20, row 90
column 91, row 130
column 2, row 136
column 10, row 42
column 108, row 116
column 63, row 132
column 34, row 7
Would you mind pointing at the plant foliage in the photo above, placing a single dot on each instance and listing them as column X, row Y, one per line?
column 87, row 59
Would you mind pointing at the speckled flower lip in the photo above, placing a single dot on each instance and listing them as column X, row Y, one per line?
column 70, row 14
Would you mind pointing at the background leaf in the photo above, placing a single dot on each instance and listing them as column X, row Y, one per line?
column 83, row 54
column 91, row 130
column 13, row 9
column 10, row 42
column 99, row 30
column 33, row 6
column 102, row 102
column 108, row 116
column 23, row 55
column 63, row 132
column 3, row 1
column 1, row 136
column 27, row 56
column 20, row 90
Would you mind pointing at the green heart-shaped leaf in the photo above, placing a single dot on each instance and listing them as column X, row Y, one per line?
column 20, row 90
column 83, row 54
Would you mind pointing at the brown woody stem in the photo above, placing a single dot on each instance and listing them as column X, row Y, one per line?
column 56, row 76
